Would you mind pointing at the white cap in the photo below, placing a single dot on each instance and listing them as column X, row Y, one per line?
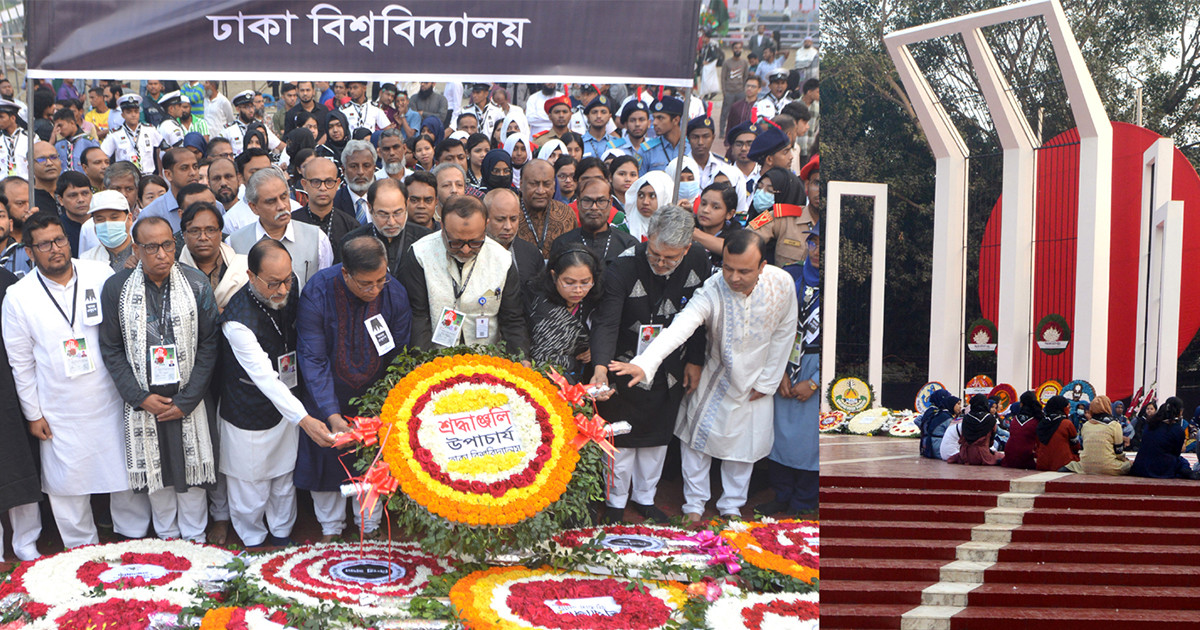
column 166, row 99
column 109, row 200
column 459, row 135
column 131, row 100
column 243, row 98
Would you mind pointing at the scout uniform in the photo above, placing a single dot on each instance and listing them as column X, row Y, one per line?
column 133, row 145
column 656, row 153
column 366, row 116
column 546, row 135
column 633, row 105
column 785, row 225
column 709, row 170
column 171, row 131
column 597, row 147
column 235, row 133
column 14, row 152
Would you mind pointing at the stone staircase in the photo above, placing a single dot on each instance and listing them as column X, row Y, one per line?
column 974, row 549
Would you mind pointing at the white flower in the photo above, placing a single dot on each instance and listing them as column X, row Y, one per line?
column 981, row 337
column 726, row 612
column 1051, row 334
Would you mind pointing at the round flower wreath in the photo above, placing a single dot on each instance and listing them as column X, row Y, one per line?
column 637, row 546
column 760, row 611
column 137, row 569
column 481, row 396
column 789, row 547
column 252, row 618
column 516, row 598
column 119, row 611
column 367, row 578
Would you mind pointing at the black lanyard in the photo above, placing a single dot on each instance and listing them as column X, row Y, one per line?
column 458, row 291
column 74, row 299
column 533, row 230
column 607, row 242
column 164, row 325
column 273, row 324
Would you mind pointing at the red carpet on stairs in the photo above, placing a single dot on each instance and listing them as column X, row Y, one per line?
column 1090, row 553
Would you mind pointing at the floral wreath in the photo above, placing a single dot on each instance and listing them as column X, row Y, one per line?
column 517, row 598
column 647, row 548
column 790, row 547
column 117, row 611
column 236, row 618
column 501, row 488
column 765, row 611
column 135, row 569
column 315, row 574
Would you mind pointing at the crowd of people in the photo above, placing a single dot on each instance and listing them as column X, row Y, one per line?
column 1061, row 435
column 197, row 292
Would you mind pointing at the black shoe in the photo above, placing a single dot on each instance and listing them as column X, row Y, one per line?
column 650, row 512
column 613, row 515
column 277, row 541
column 770, row 508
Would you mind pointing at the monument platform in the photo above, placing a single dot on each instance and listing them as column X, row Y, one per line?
column 915, row 543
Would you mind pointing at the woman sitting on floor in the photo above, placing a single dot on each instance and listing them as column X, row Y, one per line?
column 1022, row 433
column 978, row 430
column 1103, row 443
column 1162, row 444
column 1056, row 444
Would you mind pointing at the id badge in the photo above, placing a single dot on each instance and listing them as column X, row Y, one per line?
column 646, row 334
column 380, row 334
column 797, row 350
column 449, row 325
column 91, row 308
column 481, row 327
column 164, row 365
column 77, row 358
column 287, row 369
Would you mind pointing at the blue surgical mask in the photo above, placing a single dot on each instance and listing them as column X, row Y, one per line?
column 763, row 200
column 689, row 190
column 111, row 233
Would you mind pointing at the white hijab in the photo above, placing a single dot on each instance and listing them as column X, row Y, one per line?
column 663, row 186
column 549, row 147
column 516, row 115
column 510, row 143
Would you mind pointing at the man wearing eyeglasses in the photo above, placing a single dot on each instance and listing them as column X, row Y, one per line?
column 52, row 336
column 268, row 195
column 226, row 269
column 503, row 218
column 594, row 231
column 460, row 271
column 321, row 182
column 160, row 341
column 354, row 319
column 643, row 292
column 260, row 408
column 388, row 201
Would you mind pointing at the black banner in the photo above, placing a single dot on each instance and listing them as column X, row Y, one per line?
column 563, row 41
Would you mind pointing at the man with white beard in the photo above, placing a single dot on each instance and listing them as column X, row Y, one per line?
column 391, row 152
column 388, row 201
column 268, row 196
column 358, row 163
column 259, row 410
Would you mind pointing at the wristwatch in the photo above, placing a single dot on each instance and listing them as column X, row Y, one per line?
column 812, row 384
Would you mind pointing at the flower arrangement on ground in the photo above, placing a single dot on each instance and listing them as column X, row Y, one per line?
column 787, row 548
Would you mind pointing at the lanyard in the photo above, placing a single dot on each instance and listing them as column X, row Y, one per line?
column 10, row 143
column 164, row 325
column 273, row 324
column 458, row 291
column 358, row 110
column 132, row 137
column 70, row 155
column 74, row 300
column 533, row 230
column 607, row 242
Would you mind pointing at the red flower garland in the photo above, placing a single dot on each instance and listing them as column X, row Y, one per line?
column 638, row 609
column 114, row 614
column 89, row 573
column 798, row 552
column 802, row 611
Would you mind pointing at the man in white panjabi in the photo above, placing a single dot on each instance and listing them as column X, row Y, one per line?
column 259, row 407
column 52, row 334
column 749, row 311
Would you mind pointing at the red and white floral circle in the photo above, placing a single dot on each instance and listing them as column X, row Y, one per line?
column 119, row 611
column 638, row 545
column 139, row 569
column 765, row 611
column 368, row 578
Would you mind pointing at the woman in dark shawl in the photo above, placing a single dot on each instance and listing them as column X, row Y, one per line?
column 1057, row 444
column 497, row 160
column 1022, row 433
column 978, row 430
column 337, row 134
column 1160, row 455
column 434, row 127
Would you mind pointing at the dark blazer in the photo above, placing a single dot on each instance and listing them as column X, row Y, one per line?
column 343, row 202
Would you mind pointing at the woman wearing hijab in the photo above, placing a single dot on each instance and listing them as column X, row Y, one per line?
column 552, row 150
column 647, row 194
column 497, row 170
column 433, row 128
column 566, row 180
column 1161, row 454
column 1103, row 444
column 516, row 124
column 689, row 180
column 1139, row 424
column 1057, row 443
column 336, row 136
column 777, row 185
column 978, row 430
column 1022, row 433
column 297, row 140
column 517, row 147
column 943, row 406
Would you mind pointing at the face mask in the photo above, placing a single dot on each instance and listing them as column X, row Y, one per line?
column 689, row 190
column 111, row 233
column 501, row 182
column 763, row 200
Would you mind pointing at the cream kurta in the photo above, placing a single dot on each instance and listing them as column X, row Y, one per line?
column 749, row 338
column 85, row 413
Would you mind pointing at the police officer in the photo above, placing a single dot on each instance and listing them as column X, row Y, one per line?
column 361, row 113
column 635, row 120
column 481, row 108
column 776, row 98
column 236, row 131
column 170, row 129
column 597, row 140
column 701, row 132
column 559, row 111
column 133, row 142
column 14, row 154
column 656, row 153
